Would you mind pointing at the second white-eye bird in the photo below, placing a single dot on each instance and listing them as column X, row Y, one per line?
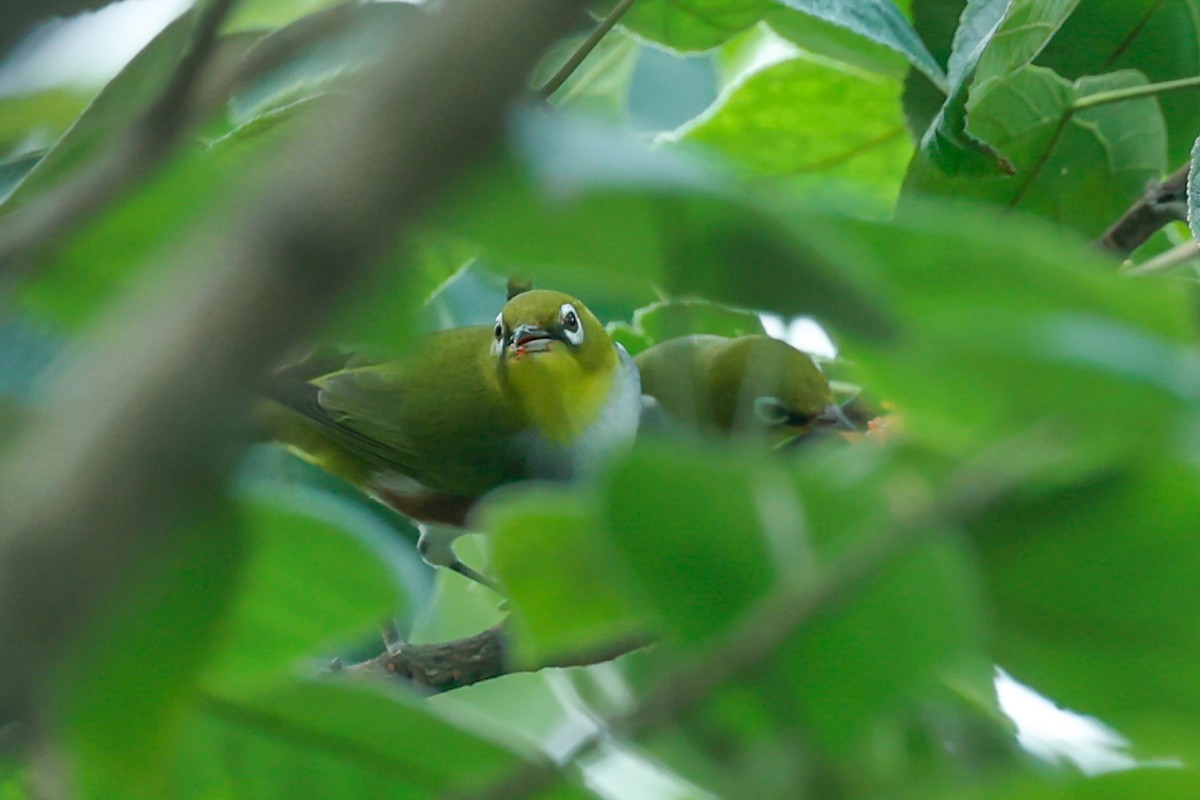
column 750, row 385
column 543, row 393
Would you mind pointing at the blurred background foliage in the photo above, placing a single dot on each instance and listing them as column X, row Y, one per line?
column 920, row 179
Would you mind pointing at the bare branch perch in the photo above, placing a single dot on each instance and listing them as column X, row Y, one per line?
column 450, row 665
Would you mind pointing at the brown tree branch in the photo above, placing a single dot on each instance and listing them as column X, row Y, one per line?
column 146, row 418
column 451, row 665
column 1162, row 204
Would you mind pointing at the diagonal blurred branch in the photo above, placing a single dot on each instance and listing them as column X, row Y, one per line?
column 145, row 417
column 31, row 232
column 778, row 616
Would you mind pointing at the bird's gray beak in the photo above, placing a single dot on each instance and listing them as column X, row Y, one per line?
column 832, row 416
column 531, row 339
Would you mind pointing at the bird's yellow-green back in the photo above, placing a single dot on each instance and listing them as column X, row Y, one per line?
column 746, row 384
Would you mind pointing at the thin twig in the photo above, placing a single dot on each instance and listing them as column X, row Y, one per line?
column 1177, row 256
column 585, row 49
column 34, row 230
column 1135, row 92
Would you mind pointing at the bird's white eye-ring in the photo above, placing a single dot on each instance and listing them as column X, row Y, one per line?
column 498, row 331
column 572, row 328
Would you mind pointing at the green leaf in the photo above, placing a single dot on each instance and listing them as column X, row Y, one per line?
column 1159, row 39
column 1006, row 324
column 689, row 524
column 34, row 121
column 1028, row 27
column 1080, row 169
column 616, row 217
column 813, row 123
column 319, row 53
column 994, row 39
column 123, row 689
column 881, row 22
column 132, row 237
column 887, row 650
column 661, row 321
column 265, row 14
column 818, row 37
column 864, row 660
column 308, row 586
column 689, row 25
column 946, row 142
column 14, row 170
column 1093, row 592
column 335, row 740
column 567, row 591
column 117, row 106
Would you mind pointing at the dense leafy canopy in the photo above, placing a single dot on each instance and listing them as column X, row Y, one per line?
column 924, row 179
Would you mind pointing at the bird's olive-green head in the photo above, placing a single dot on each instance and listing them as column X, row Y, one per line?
column 746, row 384
column 555, row 360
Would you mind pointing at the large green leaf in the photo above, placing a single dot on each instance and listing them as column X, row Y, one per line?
column 690, row 25
column 307, row 586
column 266, row 14
column 667, row 320
column 1093, row 593
column 123, row 689
column 566, row 586
column 1081, row 169
column 864, row 659
column 587, row 206
column 827, row 40
column 294, row 72
column 331, row 740
column 1006, row 324
column 1159, row 39
column 881, row 22
column 812, row 122
column 689, row 525
column 35, row 121
column 132, row 237
column 120, row 102
column 993, row 40
column 898, row 634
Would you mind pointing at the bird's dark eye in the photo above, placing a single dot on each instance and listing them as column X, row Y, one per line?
column 498, row 331
column 571, row 321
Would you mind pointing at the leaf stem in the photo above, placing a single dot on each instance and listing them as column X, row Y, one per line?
column 1135, row 92
column 585, row 49
column 1177, row 256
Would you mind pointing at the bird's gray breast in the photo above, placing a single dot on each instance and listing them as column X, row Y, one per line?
column 612, row 432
